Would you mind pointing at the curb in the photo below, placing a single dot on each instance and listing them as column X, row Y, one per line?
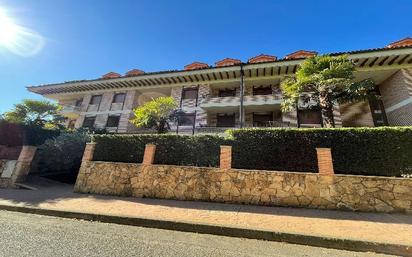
column 326, row 242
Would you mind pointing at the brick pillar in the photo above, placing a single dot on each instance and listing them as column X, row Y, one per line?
column 325, row 164
column 88, row 152
column 149, row 154
column 23, row 163
column 27, row 153
column 225, row 157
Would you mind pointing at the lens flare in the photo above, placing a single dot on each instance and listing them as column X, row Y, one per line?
column 18, row 39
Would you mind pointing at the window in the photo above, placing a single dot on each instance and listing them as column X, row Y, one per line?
column 79, row 102
column 89, row 122
column 227, row 92
column 96, row 99
column 263, row 90
column 262, row 119
column 113, row 121
column 189, row 93
column 309, row 116
column 187, row 119
column 119, row 98
column 225, row 120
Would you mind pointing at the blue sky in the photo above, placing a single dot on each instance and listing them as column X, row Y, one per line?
column 84, row 39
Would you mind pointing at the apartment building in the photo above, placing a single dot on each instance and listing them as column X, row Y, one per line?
column 233, row 93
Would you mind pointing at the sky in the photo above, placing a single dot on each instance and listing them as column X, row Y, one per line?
column 84, row 39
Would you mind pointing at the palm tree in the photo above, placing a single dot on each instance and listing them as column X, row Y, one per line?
column 325, row 80
column 35, row 113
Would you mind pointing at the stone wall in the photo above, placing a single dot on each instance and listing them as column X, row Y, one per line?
column 363, row 193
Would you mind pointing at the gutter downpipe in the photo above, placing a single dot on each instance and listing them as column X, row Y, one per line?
column 242, row 92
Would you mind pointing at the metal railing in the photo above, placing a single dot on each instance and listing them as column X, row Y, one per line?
column 235, row 100
column 70, row 109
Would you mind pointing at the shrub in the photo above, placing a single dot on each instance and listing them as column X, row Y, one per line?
column 37, row 136
column 155, row 114
column 61, row 155
column 382, row 151
column 171, row 149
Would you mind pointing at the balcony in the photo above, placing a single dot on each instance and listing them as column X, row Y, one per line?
column 257, row 100
column 216, row 102
column 234, row 101
column 222, row 130
column 70, row 111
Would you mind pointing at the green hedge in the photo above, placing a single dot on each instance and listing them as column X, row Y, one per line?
column 364, row 151
column 171, row 149
column 61, row 156
column 385, row 151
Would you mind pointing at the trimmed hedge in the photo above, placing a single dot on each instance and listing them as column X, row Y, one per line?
column 171, row 149
column 383, row 151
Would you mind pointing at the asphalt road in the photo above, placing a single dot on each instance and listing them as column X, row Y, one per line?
column 35, row 235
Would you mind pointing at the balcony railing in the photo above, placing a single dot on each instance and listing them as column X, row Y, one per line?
column 230, row 101
column 70, row 110
column 209, row 101
column 221, row 130
column 262, row 99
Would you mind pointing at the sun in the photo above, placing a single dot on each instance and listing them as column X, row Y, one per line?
column 9, row 31
column 18, row 39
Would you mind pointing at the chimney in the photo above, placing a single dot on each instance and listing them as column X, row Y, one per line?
column 227, row 62
column 134, row 72
column 262, row 58
column 196, row 66
column 401, row 43
column 300, row 54
column 111, row 75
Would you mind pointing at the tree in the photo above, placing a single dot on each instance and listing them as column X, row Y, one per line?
column 38, row 113
column 155, row 114
column 325, row 80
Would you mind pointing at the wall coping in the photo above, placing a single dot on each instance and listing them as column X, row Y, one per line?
column 269, row 171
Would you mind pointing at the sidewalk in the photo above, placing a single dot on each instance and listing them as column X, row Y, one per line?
column 295, row 225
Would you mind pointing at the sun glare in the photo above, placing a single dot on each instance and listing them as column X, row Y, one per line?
column 8, row 30
column 18, row 39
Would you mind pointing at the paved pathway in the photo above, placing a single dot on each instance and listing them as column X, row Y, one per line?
column 34, row 235
column 382, row 228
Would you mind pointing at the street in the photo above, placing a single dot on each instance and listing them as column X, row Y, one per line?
column 35, row 235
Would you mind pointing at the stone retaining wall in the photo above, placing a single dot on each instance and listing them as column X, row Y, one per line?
column 363, row 193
